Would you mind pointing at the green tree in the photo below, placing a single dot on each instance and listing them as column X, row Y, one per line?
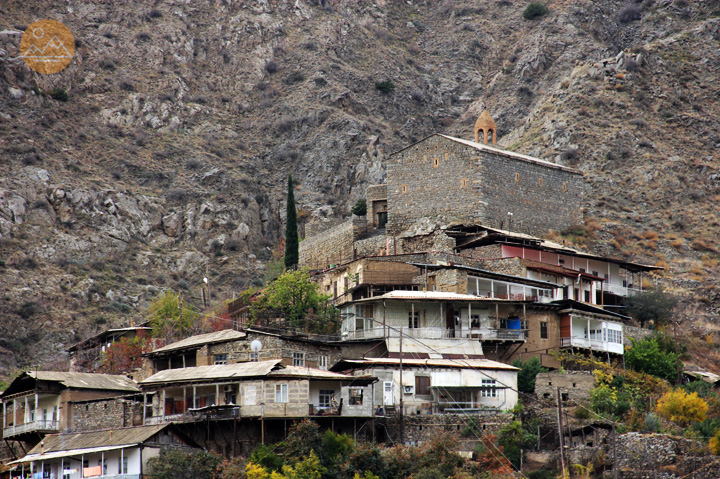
column 528, row 372
column 294, row 296
column 178, row 464
column 360, row 208
column 535, row 10
column 170, row 316
column 513, row 438
column 292, row 254
column 651, row 305
column 646, row 356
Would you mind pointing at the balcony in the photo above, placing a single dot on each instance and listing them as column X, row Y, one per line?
column 592, row 344
column 481, row 334
column 42, row 426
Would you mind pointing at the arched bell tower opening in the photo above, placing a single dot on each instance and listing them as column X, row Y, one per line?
column 486, row 125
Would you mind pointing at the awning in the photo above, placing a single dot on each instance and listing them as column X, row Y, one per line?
column 71, row 452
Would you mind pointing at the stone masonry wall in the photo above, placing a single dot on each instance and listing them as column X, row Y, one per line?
column 449, row 181
column 105, row 414
column 273, row 347
column 575, row 384
column 425, row 427
column 333, row 246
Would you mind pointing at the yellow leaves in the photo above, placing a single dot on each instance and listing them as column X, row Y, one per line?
column 682, row 408
column 256, row 471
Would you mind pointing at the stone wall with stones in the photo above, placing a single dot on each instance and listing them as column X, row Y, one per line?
column 425, row 427
column 651, row 456
column 575, row 386
column 110, row 413
column 334, row 246
column 374, row 245
column 447, row 181
column 273, row 347
column 634, row 332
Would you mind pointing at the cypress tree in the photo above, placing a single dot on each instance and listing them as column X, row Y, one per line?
column 291, row 235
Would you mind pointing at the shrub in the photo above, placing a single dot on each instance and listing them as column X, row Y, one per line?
column 682, row 408
column 535, row 10
column 176, row 464
column 651, row 305
column 58, row 94
column 646, row 356
column 155, row 13
column 629, row 13
column 271, row 66
column 528, row 372
column 385, row 86
column 360, row 208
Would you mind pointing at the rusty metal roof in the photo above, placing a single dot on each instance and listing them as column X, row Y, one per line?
column 216, row 372
column 110, row 382
column 63, row 445
column 201, row 339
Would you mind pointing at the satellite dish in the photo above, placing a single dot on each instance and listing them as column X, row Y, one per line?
column 256, row 346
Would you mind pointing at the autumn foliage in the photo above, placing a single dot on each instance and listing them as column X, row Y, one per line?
column 125, row 355
column 682, row 408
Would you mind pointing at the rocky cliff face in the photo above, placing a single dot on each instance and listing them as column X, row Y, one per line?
column 168, row 162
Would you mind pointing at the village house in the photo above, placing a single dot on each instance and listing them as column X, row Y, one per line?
column 255, row 393
column 38, row 403
column 119, row 453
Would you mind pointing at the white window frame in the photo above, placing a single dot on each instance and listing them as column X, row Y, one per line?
column 323, row 362
column 488, row 390
column 220, row 359
column 281, row 393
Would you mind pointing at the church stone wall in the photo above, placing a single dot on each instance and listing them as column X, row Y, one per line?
column 449, row 181
column 333, row 246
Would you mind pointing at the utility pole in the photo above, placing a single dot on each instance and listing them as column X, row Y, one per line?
column 677, row 358
column 402, row 392
column 560, row 433
column 615, row 466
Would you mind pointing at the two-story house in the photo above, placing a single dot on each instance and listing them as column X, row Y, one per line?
column 256, row 393
column 37, row 403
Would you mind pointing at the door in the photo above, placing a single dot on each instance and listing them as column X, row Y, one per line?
column 388, row 396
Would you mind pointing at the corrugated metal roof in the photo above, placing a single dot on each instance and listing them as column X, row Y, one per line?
column 73, row 452
column 439, row 363
column 435, row 347
column 114, row 382
column 311, row 373
column 108, row 438
column 201, row 339
column 206, row 373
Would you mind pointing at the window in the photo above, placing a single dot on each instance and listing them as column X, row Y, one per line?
column 413, row 319
column 281, row 393
column 323, row 362
column 220, row 358
column 543, row 330
column 299, row 359
column 540, row 182
column 403, row 188
column 517, row 177
column 587, row 296
column 123, row 465
column 356, row 396
column 254, row 357
column 564, row 187
column 436, row 162
column 327, row 396
column 488, row 388
column 463, row 182
column 422, row 385
column 614, row 336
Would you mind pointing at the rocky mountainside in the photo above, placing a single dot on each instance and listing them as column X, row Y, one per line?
column 168, row 161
